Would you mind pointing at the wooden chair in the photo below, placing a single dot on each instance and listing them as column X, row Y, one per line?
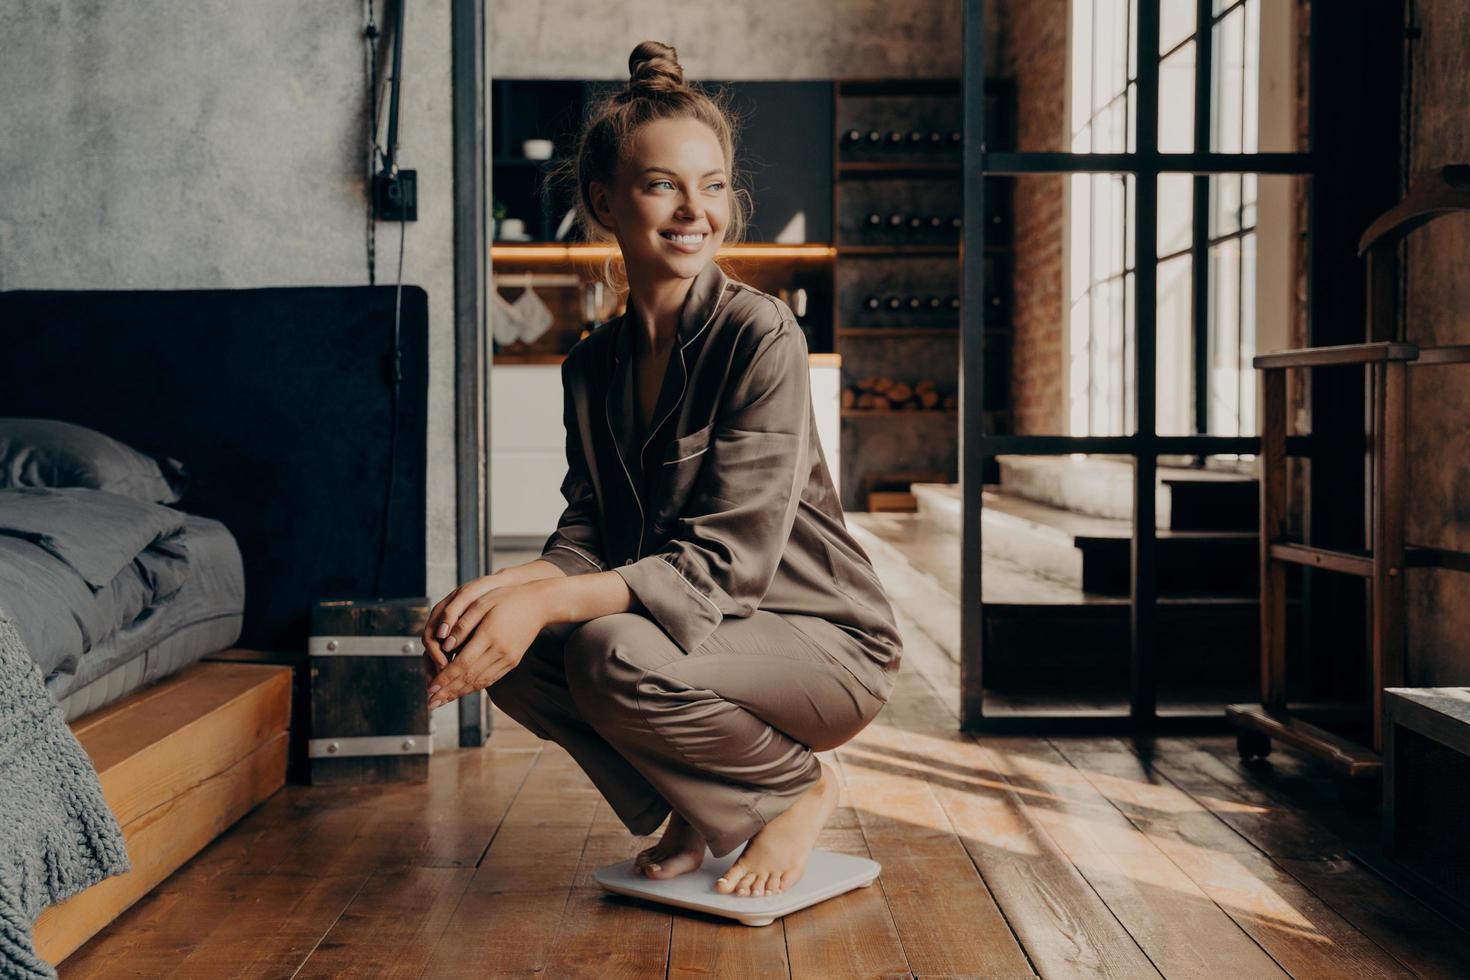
column 1387, row 357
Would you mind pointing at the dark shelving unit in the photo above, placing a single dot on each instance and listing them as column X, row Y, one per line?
column 912, row 170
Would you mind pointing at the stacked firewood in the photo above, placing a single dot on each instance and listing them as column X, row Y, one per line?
column 884, row 394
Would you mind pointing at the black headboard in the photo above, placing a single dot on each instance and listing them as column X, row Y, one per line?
column 276, row 401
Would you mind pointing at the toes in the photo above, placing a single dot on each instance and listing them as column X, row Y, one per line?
column 775, row 887
column 730, row 879
column 759, row 887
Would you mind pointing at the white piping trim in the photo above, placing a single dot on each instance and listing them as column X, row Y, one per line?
column 684, row 368
column 681, row 459
column 680, row 576
column 578, row 553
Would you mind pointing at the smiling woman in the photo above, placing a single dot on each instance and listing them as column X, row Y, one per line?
column 685, row 634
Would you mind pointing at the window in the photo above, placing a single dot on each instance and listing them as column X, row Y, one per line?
column 1204, row 379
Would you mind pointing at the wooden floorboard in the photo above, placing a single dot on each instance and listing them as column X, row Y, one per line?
column 1002, row 857
column 1290, row 923
column 1263, row 802
column 1063, row 925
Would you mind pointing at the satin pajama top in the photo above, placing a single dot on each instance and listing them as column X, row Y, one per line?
column 727, row 506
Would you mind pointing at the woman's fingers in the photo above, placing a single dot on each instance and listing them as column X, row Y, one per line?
column 462, row 598
column 464, row 624
column 430, row 633
column 490, row 668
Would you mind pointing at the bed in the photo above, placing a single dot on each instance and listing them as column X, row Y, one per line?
column 282, row 405
column 204, row 617
column 108, row 587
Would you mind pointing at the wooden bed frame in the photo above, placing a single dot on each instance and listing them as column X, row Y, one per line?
column 179, row 761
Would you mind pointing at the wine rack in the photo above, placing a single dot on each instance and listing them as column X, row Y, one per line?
column 897, row 199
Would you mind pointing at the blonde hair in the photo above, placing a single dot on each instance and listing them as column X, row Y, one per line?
column 656, row 90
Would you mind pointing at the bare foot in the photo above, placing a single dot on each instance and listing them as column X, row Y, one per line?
column 775, row 858
column 679, row 851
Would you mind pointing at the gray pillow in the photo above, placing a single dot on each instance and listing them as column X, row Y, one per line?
column 51, row 453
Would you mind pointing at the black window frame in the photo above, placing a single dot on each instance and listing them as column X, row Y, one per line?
column 1144, row 445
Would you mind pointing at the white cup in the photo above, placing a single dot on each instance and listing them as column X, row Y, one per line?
column 537, row 149
column 512, row 228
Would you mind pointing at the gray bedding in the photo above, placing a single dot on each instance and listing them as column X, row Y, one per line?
column 93, row 580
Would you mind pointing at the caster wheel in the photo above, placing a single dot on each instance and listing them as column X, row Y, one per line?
column 1252, row 744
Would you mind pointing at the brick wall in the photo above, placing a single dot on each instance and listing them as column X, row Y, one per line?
column 1033, row 52
column 1436, row 301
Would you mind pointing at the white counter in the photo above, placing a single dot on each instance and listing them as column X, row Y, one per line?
column 528, row 444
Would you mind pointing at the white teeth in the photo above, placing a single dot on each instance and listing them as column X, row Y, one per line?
column 686, row 239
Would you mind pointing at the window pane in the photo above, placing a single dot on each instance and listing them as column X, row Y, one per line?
column 1132, row 118
column 1229, row 82
column 1224, row 204
column 1176, row 212
column 1246, row 398
column 1224, row 360
column 1176, row 101
column 1131, row 34
column 1174, row 344
column 1256, row 282
column 1100, row 337
column 1251, row 79
column 1176, row 22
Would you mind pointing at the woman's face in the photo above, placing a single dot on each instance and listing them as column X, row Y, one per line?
column 672, row 183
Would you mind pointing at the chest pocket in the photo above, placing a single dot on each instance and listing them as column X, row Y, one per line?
column 672, row 478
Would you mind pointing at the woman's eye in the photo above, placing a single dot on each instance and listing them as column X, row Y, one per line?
column 719, row 183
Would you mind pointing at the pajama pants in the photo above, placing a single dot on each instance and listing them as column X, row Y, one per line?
column 725, row 736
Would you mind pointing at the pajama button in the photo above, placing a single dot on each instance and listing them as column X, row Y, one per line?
column 628, row 562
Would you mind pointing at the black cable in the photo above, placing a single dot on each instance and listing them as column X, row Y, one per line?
column 396, row 376
column 370, row 35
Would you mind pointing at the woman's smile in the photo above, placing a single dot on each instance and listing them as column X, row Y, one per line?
column 686, row 243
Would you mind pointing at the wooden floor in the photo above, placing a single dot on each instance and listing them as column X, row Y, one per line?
column 1002, row 857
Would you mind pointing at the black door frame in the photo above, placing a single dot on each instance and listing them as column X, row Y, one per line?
column 470, row 104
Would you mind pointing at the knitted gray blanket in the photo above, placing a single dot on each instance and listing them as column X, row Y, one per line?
column 57, row 834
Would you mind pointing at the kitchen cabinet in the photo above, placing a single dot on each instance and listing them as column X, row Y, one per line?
column 528, row 445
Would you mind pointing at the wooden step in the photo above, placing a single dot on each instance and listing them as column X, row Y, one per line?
column 179, row 762
column 1093, row 553
column 1040, row 631
column 1186, row 499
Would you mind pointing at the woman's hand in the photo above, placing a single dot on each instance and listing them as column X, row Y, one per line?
column 446, row 612
column 489, row 636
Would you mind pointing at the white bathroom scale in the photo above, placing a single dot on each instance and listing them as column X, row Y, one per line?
column 827, row 875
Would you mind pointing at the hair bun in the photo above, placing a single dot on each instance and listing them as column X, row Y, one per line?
column 653, row 70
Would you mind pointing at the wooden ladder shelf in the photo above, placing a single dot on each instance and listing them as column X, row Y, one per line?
column 1386, row 360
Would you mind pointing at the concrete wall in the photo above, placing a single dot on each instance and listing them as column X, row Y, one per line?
column 737, row 41
column 1437, row 301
